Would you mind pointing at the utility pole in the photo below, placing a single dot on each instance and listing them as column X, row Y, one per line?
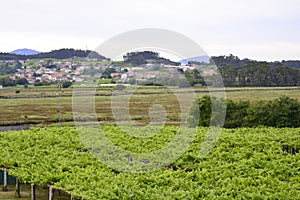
column 59, row 103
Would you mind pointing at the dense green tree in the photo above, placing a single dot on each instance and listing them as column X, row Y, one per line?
column 41, row 83
column 138, row 60
column 37, row 83
column 7, row 82
column 107, row 72
column 236, row 113
column 21, row 81
column 201, row 112
column 194, row 77
column 257, row 114
column 66, row 84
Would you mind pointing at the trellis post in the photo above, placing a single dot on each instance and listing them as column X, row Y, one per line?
column 51, row 193
column 33, row 197
column 4, row 180
column 18, row 194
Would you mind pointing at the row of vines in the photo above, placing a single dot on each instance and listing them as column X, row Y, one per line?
column 249, row 163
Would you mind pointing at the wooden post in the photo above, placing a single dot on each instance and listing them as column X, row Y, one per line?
column 51, row 193
column 33, row 192
column 73, row 198
column 18, row 194
column 4, row 180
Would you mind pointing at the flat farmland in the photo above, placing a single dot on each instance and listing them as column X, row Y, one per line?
column 47, row 105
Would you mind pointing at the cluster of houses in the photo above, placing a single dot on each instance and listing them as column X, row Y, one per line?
column 62, row 71
column 78, row 71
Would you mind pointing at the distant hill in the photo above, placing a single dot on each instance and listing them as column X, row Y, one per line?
column 25, row 52
column 68, row 53
column 199, row 59
column 56, row 54
column 146, row 57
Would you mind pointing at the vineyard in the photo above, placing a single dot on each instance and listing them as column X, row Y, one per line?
column 246, row 163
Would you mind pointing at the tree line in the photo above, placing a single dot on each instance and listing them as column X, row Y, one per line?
column 253, row 74
column 232, row 60
column 280, row 112
column 7, row 82
column 247, row 73
column 259, row 74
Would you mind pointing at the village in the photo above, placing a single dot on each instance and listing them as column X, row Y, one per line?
column 79, row 70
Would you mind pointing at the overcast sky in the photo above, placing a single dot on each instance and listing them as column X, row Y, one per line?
column 255, row 29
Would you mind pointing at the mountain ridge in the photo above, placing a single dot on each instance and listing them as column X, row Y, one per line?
column 214, row 60
column 56, row 54
column 200, row 59
column 25, row 52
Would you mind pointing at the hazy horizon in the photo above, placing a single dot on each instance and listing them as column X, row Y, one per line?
column 162, row 54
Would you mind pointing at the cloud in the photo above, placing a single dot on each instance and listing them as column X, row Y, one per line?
column 45, row 42
column 226, row 24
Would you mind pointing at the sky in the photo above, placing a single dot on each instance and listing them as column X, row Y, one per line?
column 255, row 29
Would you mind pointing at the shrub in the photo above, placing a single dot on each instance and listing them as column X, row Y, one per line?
column 236, row 113
column 281, row 112
column 201, row 112
column 256, row 114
